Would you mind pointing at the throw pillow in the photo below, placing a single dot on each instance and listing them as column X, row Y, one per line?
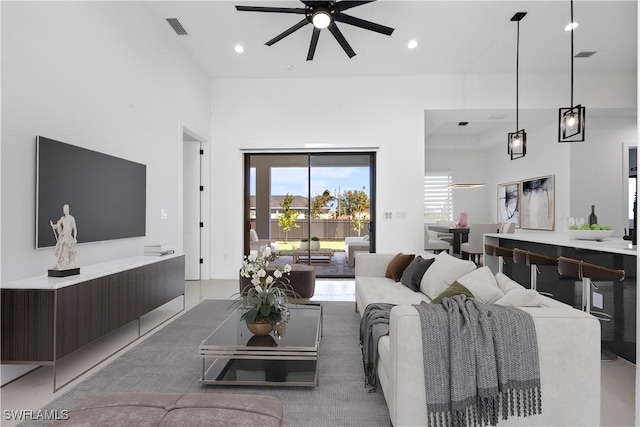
column 521, row 298
column 505, row 283
column 482, row 284
column 445, row 270
column 397, row 266
column 413, row 273
column 455, row 289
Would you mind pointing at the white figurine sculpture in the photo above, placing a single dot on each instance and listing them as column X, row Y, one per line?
column 66, row 238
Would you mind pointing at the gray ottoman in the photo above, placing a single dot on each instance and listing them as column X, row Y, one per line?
column 176, row 409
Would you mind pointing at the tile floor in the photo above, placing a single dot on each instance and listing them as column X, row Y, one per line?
column 35, row 389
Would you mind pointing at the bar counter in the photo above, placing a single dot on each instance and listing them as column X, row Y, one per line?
column 617, row 299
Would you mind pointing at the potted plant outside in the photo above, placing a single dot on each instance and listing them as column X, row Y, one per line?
column 304, row 244
column 315, row 243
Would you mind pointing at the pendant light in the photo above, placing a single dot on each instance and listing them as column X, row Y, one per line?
column 469, row 184
column 517, row 141
column 571, row 120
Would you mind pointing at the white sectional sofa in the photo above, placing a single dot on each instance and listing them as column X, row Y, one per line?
column 568, row 346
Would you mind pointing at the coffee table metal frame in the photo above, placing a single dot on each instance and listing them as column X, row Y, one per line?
column 213, row 355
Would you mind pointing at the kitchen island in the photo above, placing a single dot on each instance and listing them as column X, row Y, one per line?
column 617, row 299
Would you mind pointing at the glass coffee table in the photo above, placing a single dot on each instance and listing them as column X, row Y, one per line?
column 232, row 355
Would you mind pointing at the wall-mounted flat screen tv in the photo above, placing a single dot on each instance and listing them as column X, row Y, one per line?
column 106, row 194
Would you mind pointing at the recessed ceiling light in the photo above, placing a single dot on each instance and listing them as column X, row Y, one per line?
column 571, row 26
column 412, row 44
column 238, row 48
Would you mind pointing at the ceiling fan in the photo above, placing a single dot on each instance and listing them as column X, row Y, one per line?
column 322, row 14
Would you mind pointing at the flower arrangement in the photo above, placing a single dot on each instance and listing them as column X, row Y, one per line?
column 265, row 299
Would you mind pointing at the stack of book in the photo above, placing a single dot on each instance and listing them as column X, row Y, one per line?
column 157, row 250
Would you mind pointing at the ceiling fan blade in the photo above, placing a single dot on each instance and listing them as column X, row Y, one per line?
column 288, row 32
column 340, row 38
column 297, row 10
column 367, row 25
column 344, row 5
column 313, row 44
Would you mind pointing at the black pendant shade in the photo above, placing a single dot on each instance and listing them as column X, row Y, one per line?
column 571, row 120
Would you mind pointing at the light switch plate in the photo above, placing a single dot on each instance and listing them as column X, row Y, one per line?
column 597, row 300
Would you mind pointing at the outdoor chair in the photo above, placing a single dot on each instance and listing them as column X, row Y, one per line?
column 256, row 244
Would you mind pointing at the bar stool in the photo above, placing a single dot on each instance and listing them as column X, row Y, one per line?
column 589, row 273
column 533, row 260
column 500, row 252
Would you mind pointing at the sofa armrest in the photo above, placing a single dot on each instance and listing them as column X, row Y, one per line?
column 569, row 352
column 373, row 264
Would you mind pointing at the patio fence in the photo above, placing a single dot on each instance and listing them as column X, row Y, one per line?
column 325, row 229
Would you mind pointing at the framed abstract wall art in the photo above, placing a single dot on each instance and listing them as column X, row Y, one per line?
column 509, row 202
column 538, row 203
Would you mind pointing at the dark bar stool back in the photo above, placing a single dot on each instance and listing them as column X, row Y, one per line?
column 500, row 252
column 589, row 273
column 533, row 260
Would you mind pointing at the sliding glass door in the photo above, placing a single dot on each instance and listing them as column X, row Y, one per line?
column 312, row 208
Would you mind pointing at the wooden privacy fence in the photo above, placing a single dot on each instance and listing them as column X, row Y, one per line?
column 325, row 229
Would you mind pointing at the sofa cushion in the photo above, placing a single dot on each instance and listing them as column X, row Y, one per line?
column 445, row 270
column 482, row 284
column 521, row 298
column 451, row 291
column 505, row 283
column 380, row 289
column 397, row 266
column 412, row 275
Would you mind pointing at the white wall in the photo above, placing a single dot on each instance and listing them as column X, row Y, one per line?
column 597, row 171
column 387, row 113
column 106, row 76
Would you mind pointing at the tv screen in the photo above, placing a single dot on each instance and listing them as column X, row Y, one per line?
column 106, row 194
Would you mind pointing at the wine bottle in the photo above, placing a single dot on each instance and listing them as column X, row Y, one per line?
column 593, row 219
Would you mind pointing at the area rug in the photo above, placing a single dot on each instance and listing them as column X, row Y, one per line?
column 168, row 361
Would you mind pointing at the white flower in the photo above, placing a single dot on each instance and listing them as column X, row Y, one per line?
column 269, row 280
column 252, row 257
column 255, row 281
column 266, row 252
column 287, row 268
column 258, row 288
column 277, row 274
column 262, row 273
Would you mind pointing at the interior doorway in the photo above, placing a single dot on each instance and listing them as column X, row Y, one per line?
column 192, row 204
column 311, row 208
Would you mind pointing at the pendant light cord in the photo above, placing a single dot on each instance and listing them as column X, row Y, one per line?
column 517, row 73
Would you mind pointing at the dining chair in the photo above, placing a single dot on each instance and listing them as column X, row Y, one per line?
column 474, row 248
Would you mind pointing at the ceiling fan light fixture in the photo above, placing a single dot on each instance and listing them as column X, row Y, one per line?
column 321, row 18
column 571, row 26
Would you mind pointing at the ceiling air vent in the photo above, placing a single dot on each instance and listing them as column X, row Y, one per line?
column 177, row 26
column 584, row 54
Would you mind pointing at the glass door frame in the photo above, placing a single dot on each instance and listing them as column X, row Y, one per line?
column 309, row 165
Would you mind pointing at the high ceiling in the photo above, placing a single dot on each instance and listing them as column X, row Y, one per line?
column 453, row 36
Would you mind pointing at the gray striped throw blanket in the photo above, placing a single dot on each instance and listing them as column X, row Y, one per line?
column 373, row 325
column 480, row 362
